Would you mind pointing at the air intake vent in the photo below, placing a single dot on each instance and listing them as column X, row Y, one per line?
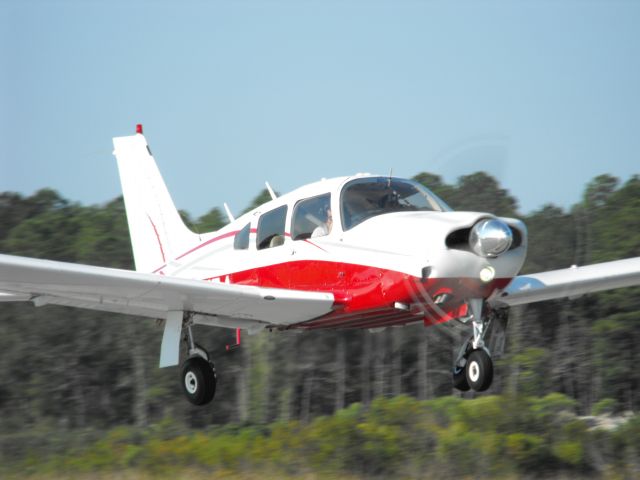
column 458, row 239
column 517, row 238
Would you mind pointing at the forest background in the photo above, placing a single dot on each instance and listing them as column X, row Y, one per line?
column 80, row 391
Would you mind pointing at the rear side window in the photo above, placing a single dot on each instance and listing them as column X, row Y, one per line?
column 271, row 228
column 241, row 240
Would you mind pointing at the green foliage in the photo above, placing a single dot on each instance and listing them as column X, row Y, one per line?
column 551, row 240
column 263, row 197
column 616, row 338
column 47, row 234
column 436, row 185
column 526, row 450
column 102, row 238
column 606, row 406
column 14, row 209
column 599, row 190
column 534, row 370
column 615, row 222
column 548, row 410
column 394, row 437
column 211, row 221
column 568, row 451
column 478, row 192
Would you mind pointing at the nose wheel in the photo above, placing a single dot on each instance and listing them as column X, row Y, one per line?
column 476, row 373
column 473, row 368
column 479, row 370
column 460, row 379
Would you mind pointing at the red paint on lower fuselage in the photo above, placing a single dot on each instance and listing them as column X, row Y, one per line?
column 365, row 295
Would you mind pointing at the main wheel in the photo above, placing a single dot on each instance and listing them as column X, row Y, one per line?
column 198, row 380
column 479, row 370
column 460, row 379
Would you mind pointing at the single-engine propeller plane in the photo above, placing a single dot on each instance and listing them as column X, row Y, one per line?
column 365, row 251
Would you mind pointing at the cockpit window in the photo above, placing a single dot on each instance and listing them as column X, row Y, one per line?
column 364, row 198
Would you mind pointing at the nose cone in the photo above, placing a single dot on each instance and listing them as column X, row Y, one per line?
column 490, row 237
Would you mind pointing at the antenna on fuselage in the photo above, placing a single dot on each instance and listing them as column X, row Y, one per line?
column 390, row 175
column 229, row 214
column 271, row 192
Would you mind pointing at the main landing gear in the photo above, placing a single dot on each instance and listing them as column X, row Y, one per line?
column 473, row 367
column 198, row 376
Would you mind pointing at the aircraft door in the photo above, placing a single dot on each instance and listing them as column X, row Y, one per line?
column 312, row 266
column 274, row 249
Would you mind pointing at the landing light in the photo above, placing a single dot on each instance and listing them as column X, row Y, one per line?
column 487, row 274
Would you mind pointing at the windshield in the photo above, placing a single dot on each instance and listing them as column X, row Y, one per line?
column 367, row 197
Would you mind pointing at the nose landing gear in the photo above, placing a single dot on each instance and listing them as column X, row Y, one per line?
column 473, row 367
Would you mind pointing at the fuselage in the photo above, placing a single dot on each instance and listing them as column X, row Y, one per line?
column 394, row 254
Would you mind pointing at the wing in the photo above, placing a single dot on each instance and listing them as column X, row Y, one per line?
column 570, row 282
column 97, row 288
column 13, row 297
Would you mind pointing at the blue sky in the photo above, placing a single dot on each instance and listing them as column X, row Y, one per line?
column 543, row 95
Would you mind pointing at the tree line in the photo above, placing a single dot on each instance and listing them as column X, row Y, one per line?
column 70, row 369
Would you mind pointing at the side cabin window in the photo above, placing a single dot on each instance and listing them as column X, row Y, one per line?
column 312, row 217
column 241, row 240
column 271, row 228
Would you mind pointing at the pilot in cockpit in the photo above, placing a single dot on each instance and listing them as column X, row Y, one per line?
column 327, row 222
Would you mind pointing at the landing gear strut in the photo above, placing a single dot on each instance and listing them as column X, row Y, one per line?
column 198, row 376
column 473, row 367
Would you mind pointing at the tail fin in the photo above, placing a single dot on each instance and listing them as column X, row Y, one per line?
column 157, row 232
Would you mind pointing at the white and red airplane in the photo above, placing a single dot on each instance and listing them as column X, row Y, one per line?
column 364, row 251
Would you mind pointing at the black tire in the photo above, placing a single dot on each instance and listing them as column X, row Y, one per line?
column 198, row 380
column 460, row 379
column 479, row 370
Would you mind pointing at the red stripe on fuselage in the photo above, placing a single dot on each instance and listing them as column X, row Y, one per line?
column 365, row 295
column 208, row 242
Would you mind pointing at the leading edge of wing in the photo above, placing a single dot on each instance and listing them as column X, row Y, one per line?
column 151, row 295
column 14, row 297
column 570, row 282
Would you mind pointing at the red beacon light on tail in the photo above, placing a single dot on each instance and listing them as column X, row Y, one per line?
column 139, row 128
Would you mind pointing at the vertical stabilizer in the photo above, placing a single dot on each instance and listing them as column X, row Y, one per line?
column 157, row 232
